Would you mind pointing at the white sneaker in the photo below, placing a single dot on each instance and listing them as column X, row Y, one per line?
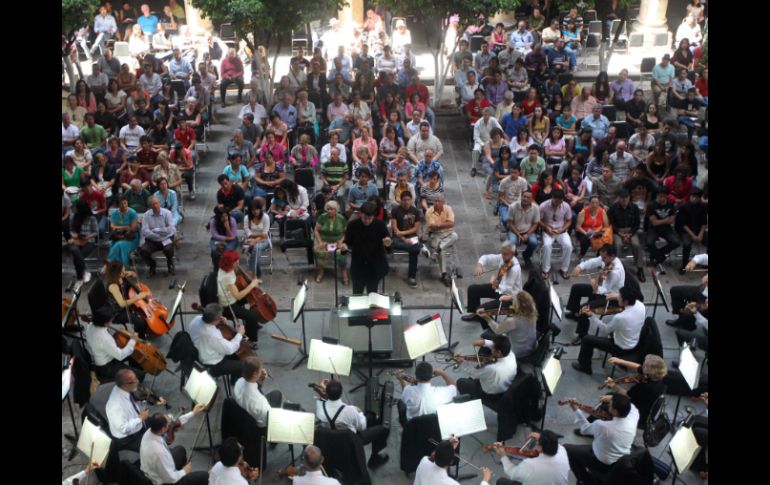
column 86, row 277
column 425, row 251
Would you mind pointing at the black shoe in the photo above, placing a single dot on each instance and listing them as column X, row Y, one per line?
column 682, row 271
column 224, row 105
column 577, row 340
column 497, row 210
column 469, row 317
column 671, row 323
column 640, row 275
column 171, row 270
column 576, row 365
column 571, row 316
column 581, row 434
column 473, row 172
column 152, row 271
column 555, row 331
column 378, row 460
column 446, row 280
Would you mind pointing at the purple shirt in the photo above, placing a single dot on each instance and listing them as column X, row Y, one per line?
column 221, row 237
column 624, row 91
column 555, row 218
column 496, row 92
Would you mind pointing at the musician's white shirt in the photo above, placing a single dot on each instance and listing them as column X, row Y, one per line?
column 213, row 347
column 701, row 259
column 543, row 470
column 497, row 378
column 625, row 326
column 612, row 439
column 155, row 457
column 122, row 414
column 249, row 397
column 222, row 475
column 511, row 282
column 428, row 473
column 615, row 279
column 424, row 398
column 315, row 478
column 350, row 417
column 103, row 346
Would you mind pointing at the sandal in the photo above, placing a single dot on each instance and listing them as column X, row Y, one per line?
column 565, row 275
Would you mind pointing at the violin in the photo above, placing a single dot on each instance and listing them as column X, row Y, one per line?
column 259, row 301
column 481, row 360
column 501, row 274
column 321, row 390
column 149, row 358
column 172, row 428
column 595, row 411
column 408, row 378
column 155, row 314
column 289, row 472
column 248, row 472
column 244, row 351
column 515, row 450
column 632, row 378
column 607, row 310
column 144, row 394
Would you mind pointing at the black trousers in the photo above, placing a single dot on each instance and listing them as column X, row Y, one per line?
column 585, row 243
column 700, row 336
column 361, row 278
column 224, row 83
column 131, row 442
column 108, row 371
column 590, row 343
column 687, row 245
column 122, row 317
column 180, row 460
column 377, row 436
column 187, row 175
column 582, row 461
column 476, row 293
column 672, row 242
column 79, row 254
column 506, row 481
column 249, row 317
column 413, row 250
column 472, row 387
column 149, row 247
column 230, row 365
column 576, row 293
column 680, row 295
column 700, row 428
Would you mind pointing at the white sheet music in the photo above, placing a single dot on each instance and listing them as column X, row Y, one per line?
column 329, row 358
column 421, row 339
column 552, row 373
column 200, row 387
column 93, row 435
column 456, row 294
column 372, row 300
column 461, row 419
column 689, row 367
column 298, row 302
column 684, row 448
column 555, row 301
column 290, row 427
column 66, row 380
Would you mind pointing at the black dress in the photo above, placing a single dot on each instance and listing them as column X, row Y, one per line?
column 368, row 262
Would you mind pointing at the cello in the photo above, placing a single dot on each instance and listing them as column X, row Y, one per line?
column 154, row 313
column 150, row 359
column 260, row 302
column 244, row 351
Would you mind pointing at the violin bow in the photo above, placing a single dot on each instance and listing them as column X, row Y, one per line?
column 338, row 378
column 261, row 458
column 195, row 441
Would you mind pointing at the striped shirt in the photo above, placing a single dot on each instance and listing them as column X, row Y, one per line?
column 334, row 171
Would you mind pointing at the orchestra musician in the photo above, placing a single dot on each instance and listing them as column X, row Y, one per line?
column 683, row 294
column 214, row 351
column 163, row 465
column 624, row 326
column 493, row 379
column 111, row 291
column 312, row 461
column 226, row 470
column 612, row 439
column 81, row 475
column 108, row 358
column 551, row 467
column 519, row 326
column 232, row 299
column 423, row 397
column 611, row 278
column 649, row 385
column 432, row 470
column 333, row 413
column 248, row 393
column 501, row 288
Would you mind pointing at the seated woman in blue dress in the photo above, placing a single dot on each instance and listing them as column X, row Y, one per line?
column 168, row 199
column 124, row 235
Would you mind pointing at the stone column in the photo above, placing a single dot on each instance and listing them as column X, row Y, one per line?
column 198, row 24
column 652, row 16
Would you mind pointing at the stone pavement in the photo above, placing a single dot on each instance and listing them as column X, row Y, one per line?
column 476, row 227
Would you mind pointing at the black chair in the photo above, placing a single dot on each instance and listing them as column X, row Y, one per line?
column 303, row 237
column 622, row 130
column 81, row 373
column 610, row 111
column 633, row 469
column 476, row 42
column 343, row 450
column 183, row 350
column 130, row 474
column 414, row 440
column 237, row 422
column 519, row 405
column 305, row 178
column 178, row 86
column 657, row 424
column 649, row 343
column 227, row 34
column 537, row 356
column 564, row 78
column 589, row 16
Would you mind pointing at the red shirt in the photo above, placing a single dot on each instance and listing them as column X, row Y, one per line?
column 703, row 86
column 186, row 137
column 678, row 195
column 474, row 109
column 186, row 155
column 422, row 90
column 528, row 108
column 95, row 199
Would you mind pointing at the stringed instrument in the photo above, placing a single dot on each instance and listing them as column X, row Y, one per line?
column 154, row 313
column 149, row 358
column 244, row 350
column 594, row 411
column 632, row 378
column 321, row 390
column 173, row 426
column 72, row 321
column 143, row 393
column 247, row 471
column 260, row 302
column 289, row 472
column 515, row 450
column 481, row 360
column 501, row 274
column 408, row 378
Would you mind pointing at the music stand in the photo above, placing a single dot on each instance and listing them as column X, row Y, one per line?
column 361, row 314
column 425, row 337
column 176, row 308
column 331, row 358
column 683, row 449
column 659, row 293
column 202, row 388
column 297, row 311
column 290, row 427
column 94, row 442
column 454, row 296
column 690, row 368
column 555, row 309
column 66, row 384
column 551, row 373
column 68, row 314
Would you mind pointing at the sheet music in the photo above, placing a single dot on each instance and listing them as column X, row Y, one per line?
column 200, row 387
column 421, row 339
column 689, row 367
column 326, row 358
column 372, row 300
column 298, row 302
column 555, row 301
column 552, row 373
column 684, row 448
column 92, row 434
column 456, row 294
column 461, row 419
column 66, row 380
column 290, row 427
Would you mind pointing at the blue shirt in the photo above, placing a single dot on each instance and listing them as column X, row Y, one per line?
column 148, row 24
column 180, row 68
column 288, row 114
column 358, row 196
column 598, row 126
column 236, row 176
column 565, row 123
column 663, row 74
column 171, row 203
column 511, row 126
column 520, row 40
column 404, row 77
column 556, row 56
column 425, row 170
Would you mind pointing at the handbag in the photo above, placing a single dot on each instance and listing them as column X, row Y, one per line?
column 656, row 430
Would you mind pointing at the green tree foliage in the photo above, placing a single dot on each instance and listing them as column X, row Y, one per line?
column 76, row 14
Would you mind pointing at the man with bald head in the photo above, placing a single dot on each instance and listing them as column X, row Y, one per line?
column 158, row 230
column 312, row 459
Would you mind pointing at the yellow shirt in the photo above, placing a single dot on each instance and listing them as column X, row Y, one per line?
column 446, row 215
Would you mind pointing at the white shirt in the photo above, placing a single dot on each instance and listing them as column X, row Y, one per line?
column 104, row 23
column 131, row 135
column 350, row 417
column 249, row 397
column 425, row 398
column 428, row 473
column 315, row 478
column 81, row 475
column 103, row 346
column 258, row 111
column 616, row 277
column 213, row 347
column 152, row 84
column 481, row 129
column 326, row 153
column 195, row 328
column 123, row 414
column 543, row 470
column 511, row 282
column 155, row 457
column 701, row 259
column 224, row 280
column 497, row 378
column 253, row 227
column 222, row 475
column 612, row 439
column 625, row 326
column 71, row 131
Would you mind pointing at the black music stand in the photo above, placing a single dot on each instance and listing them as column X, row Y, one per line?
column 69, row 437
column 550, row 373
column 368, row 317
column 176, row 309
column 555, row 309
column 298, row 311
column 454, row 296
column 659, row 294
column 68, row 314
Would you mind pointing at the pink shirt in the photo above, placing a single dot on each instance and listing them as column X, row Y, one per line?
column 335, row 112
column 580, row 108
column 371, row 146
column 231, row 67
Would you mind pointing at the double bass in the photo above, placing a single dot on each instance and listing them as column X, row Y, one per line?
column 260, row 302
column 154, row 313
column 149, row 358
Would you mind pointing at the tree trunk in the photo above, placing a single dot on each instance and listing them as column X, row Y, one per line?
column 70, row 72
column 440, row 80
column 275, row 60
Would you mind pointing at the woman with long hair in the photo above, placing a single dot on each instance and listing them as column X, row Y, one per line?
column 168, row 199
column 602, row 88
column 593, row 226
column 85, row 97
column 658, row 165
column 539, row 125
column 224, row 233
column 520, row 145
column 256, row 228
column 542, row 190
column 124, row 239
column 117, row 286
column 520, row 326
column 232, row 299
